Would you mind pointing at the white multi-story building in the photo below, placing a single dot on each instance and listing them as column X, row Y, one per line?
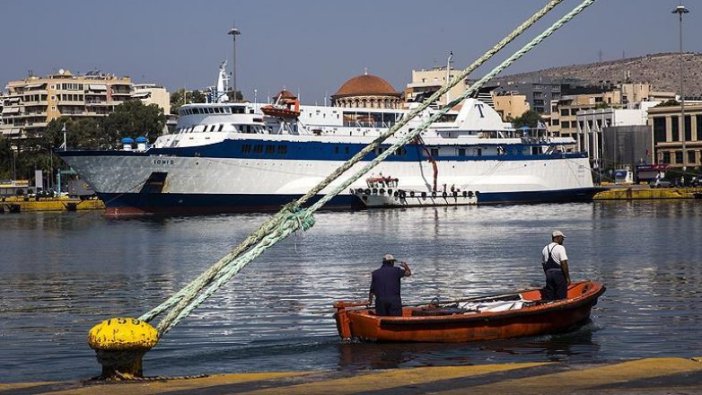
column 32, row 103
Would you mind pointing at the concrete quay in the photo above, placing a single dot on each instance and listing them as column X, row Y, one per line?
column 19, row 204
column 645, row 192
column 640, row 376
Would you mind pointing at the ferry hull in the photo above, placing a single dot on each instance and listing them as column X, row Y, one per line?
column 224, row 177
column 138, row 204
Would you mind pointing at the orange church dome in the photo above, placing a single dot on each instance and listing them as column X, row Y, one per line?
column 366, row 85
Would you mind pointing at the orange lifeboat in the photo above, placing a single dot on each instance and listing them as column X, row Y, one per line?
column 517, row 314
column 286, row 105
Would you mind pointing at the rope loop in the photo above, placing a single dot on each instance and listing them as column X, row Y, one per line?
column 302, row 217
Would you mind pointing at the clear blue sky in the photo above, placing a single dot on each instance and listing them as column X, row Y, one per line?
column 313, row 46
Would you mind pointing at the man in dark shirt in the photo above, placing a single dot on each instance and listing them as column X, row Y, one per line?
column 385, row 287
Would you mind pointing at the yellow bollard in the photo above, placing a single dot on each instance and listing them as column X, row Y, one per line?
column 120, row 344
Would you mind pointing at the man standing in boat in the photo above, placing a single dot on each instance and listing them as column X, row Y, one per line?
column 555, row 264
column 385, row 287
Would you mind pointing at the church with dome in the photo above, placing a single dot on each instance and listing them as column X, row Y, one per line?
column 367, row 91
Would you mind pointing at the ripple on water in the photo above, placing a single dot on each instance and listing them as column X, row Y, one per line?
column 276, row 314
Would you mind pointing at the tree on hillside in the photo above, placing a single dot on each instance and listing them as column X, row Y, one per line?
column 530, row 118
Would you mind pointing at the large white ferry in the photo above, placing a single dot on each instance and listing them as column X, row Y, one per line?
column 233, row 157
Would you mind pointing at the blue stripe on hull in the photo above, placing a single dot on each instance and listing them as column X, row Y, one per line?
column 256, row 149
column 137, row 204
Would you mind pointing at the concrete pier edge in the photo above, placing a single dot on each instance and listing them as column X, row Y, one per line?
column 662, row 375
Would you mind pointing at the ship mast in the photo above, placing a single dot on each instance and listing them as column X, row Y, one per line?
column 222, row 85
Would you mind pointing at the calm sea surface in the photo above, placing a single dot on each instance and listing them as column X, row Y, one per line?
column 62, row 273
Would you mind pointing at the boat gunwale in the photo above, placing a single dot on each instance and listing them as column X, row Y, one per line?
column 486, row 316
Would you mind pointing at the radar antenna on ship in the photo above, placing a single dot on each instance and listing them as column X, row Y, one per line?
column 222, row 86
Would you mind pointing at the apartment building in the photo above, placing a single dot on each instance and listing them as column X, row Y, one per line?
column 677, row 146
column 32, row 103
column 539, row 94
column 153, row 94
column 509, row 105
column 426, row 82
column 563, row 119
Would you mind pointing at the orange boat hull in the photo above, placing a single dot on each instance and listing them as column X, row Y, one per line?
column 536, row 318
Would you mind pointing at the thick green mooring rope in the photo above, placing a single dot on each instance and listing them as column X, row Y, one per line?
column 292, row 218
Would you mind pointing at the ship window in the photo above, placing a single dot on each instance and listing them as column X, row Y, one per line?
column 221, row 126
column 336, row 149
column 479, row 151
column 246, row 148
column 212, row 128
column 346, row 150
column 282, row 149
column 270, row 149
column 434, row 152
column 258, row 148
column 461, row 152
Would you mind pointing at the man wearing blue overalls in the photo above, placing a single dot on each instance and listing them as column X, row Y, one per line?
column 385, row 287
column 555, row 264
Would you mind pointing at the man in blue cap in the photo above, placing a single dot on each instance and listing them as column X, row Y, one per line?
column 555, row 264
column 385, row 287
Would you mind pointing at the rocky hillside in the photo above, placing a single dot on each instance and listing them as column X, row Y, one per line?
column 661, row 70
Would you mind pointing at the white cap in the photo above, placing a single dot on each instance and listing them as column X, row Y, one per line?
column 557, row 233
column 388, row 258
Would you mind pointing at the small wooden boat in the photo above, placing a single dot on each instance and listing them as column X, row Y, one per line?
column 518, row 314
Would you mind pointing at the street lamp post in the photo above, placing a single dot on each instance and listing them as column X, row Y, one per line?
column 234, row 32
column 680, row 10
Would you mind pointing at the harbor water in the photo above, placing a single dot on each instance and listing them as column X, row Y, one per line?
column 61, row 273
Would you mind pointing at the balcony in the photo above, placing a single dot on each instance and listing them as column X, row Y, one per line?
column 97, row 103
column 70, row 102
